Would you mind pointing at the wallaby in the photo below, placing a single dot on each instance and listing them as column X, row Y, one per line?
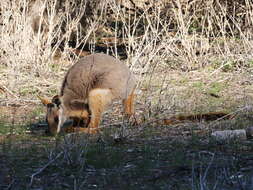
column 88, row 87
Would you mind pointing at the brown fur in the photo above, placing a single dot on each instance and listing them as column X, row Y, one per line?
column 92, row 84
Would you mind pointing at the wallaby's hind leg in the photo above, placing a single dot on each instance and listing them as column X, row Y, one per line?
column 98, row 100
column 129, row 105
column 129, row 109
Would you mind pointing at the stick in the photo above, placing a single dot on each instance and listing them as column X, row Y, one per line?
column 5, row 89
column 43, row 168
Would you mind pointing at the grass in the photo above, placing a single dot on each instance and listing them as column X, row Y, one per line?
column 148, row 163
column 12, row 129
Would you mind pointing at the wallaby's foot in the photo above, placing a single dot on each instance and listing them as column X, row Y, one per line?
column 135, row 121
column 132, row 120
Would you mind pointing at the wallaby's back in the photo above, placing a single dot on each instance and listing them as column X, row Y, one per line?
column 98, row 71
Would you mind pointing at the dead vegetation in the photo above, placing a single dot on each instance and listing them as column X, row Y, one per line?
column 184, row 35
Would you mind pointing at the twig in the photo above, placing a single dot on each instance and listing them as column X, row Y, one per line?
column 11, row 184
column 44, row 167
column 5, row 89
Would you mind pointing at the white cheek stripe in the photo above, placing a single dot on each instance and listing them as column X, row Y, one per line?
column 62, row 119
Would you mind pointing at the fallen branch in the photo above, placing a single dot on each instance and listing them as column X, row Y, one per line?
column 211, row 116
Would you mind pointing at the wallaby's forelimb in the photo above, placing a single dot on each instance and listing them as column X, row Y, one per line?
column 98, row 100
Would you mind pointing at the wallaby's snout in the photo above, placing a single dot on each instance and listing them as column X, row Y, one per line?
column 52, row 115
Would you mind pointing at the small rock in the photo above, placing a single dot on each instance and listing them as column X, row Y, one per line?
column 229, row 134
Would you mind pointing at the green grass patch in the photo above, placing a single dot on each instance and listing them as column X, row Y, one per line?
column 7, row 128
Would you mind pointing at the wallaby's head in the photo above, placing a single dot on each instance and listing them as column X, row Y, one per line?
column 52, row 115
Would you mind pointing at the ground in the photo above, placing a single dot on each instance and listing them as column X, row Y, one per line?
column 151, row 155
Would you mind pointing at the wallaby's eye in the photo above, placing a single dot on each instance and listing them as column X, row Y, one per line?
column 56, row 100
column 56, row 119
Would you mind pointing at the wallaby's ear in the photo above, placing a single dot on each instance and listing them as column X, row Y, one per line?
column 56, row 100
column 44, row 101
